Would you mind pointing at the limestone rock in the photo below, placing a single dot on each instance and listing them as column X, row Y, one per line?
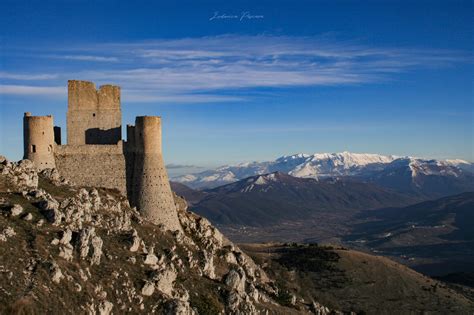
column 151, row 258
column 65, row 247
column 56, row 274
column 16, row 210
column 135, row 241
column 66, row 252
column 84, row 240
column 50, row 209
column 235, row 280
column 105, row 308
column 8, row 232
column 88, row 239
column 66, row 238
column 53, row 175
column 178, row 307
column 208, row 267
column 22, row 174
column 319, row 309
column 148, row 288
column 96, row 243
column 164, row 280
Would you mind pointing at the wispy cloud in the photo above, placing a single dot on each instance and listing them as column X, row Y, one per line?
column 33, row 90
column 212, row 69
column 180, row 166
column 85, row 58
column 26, row 77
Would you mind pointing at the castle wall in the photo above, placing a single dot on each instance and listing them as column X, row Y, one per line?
column 38, row 140
column 150, row 184
column 93, row 165
column 93, row 116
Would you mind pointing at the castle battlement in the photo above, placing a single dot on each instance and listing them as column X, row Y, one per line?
column 95, row 154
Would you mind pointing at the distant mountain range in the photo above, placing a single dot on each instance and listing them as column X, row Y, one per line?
column 268, row 199
column 421, row 177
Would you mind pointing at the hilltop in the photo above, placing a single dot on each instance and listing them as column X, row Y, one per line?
column 68, row 250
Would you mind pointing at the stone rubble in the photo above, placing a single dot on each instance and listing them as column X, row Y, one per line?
column 22, row 175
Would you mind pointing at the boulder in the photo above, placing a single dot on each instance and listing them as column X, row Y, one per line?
column 16, row 210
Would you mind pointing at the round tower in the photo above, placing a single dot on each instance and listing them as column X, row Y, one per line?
column 38, row 140
column 151, row 188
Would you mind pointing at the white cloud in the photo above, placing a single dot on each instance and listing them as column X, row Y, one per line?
column 194, row 70
column 27, row 77
column 86, row 58
column 53, row 91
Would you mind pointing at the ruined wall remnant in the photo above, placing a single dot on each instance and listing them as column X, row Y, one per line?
column 38, row 140
column 93, row 116
column 150, row 187
column 93, row 165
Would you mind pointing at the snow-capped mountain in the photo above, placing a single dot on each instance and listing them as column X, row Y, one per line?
column 429, row 178
column 298, row 165
column 321, row 165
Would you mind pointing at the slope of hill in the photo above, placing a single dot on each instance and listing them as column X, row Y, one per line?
column 264, row 200
column 73, row 250
column 67, row 249
column 434, row 236
column 427, row 178
column 353, row 281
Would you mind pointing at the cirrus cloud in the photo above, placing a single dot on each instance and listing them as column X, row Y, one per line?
column 217, row 69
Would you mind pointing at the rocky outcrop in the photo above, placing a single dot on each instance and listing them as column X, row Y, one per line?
column 21, row 175
column 90, row 240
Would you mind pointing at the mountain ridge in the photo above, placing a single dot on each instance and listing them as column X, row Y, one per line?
column 277, row 197
column 449, row 176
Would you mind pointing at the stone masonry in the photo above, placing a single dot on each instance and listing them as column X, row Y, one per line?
column 95, row 155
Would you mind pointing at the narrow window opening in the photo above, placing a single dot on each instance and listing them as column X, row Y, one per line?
column 93, row 114
column 33, row 148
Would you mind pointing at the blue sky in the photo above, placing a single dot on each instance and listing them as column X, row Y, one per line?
column 389, row 77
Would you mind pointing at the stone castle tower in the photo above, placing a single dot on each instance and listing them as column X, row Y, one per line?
column 38, row 140
column 97, row 112
column 96, row 155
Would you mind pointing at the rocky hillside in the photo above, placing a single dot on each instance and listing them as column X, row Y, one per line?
column 82, row 250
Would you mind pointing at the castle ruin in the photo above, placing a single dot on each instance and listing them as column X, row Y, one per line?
column 95, row 154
